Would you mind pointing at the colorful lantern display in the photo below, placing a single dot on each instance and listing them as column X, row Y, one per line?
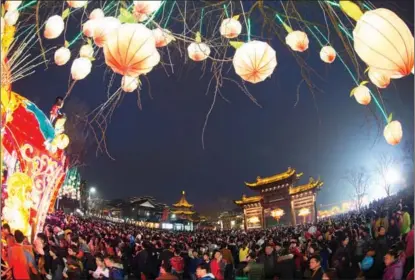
column 297, row 41
column 230, row 28
column 362, row 94
column 384, row 42
column 81, row 67
column 96, row 14
column 135, row 42
column 88, row 28
column 12, row 5
column 11, row 17
column 143, row 9
column 62, row 56
column 71, row 185
column 129, row 84
column 86, row 51
column 101, row 29
column 327, row 54
column 54, row 27
column 163, row 37
column 379, row 78
column 393, row 132
column 254, row 61
column 198, row 51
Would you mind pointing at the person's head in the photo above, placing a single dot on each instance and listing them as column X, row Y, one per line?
column 381, row 231
column 390, row 257
column 345, row 240
column 218, row 255
column 165, row 268
column 268, row 250
column 315, row 262
column 109, row 261
column 72, row 250
column 202, row 270
column 42, row 239
column 177, row 252
column 18, row 236
column 206, row 257
column 5, row 229
column 10, row 240
column 99, row 260
column 371, row 251
column 251, row 257
column 195, row 254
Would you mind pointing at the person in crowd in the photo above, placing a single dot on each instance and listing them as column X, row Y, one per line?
column 218, row 265
column 166, row 273
column 101, row 271
column 17, row 258
column 57, row 264
column 115, row 268
column 409, row 251
column 177, row 264
column 203, row 272
column 317, row 272
column 394, row 266
column 194, row 262
column 254, row 269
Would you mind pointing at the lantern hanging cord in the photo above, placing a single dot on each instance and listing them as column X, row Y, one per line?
column 225, row 9
column 28, row 4
column 169, row 15
column 247, row 23
column 354, row 79
column 279, row 18
column 201, row 20
column 333, row 3
column 345, row 32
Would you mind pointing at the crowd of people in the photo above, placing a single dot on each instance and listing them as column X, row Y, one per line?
column 374, row 243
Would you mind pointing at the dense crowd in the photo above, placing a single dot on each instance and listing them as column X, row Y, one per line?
column 374, row 243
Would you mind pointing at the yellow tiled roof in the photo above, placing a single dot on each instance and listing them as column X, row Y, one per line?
column 251, row 199
column 180, row 212
column 183, row 202
column 275, row 178
column 309, row 186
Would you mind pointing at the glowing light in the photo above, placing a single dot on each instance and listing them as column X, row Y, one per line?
column 92, row 190
column 392, row 176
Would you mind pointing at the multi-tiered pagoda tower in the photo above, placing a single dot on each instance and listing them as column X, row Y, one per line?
column 182, row 213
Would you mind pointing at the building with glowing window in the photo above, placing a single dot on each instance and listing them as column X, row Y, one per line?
column 182, row 214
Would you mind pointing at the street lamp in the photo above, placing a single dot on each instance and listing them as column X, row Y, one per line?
column 92, row 190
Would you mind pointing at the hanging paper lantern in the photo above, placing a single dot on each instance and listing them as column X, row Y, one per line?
column 88, row 28
column 86, row 51
column 76, row 4
column 62, row 56
column 327, row 54
column 12, row 5
column 198, row 51
column 362, row 94
column 131, row 50
column 129, row 84
column 11, row 17
column 254, row 61
column 297, row 40
column 104, row 27
column 383, row 41
column 54, row 27
column 393, row 133
column 379, row 78
column 143, row 9
column 81, row 67
column 96, row 14
column 62, row 141
column 162, row 36
column 230, row 28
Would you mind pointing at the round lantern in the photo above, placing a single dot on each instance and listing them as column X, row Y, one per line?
column 131, row 50
column 393, row 132
column 62, row 56
column 76, row 4
column 96, row 14
column 362, row 95
column 54, row 27
column 254, row 61
column 11, row 17
column 383, row 41
column 142, row 9
column 62, row 141
column 81, row 67
column 11, row 5
column 162, row 36
column 86, row 51
column 328, row 54
column 129, row 84
column 104, row 27
column 297, row 40
column 88, row 28
column 380, row 79
column 198, row 51
column 230, row 28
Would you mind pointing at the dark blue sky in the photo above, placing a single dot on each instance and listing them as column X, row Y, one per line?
column 158, row 150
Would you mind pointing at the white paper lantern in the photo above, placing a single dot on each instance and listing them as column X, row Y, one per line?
column 62, row 56
column 143, row 9
column 230, row 28
column 393, row 133
column 88, row 28
column 163, row 37
column 328, row 54
column 129, row 84
column 379, row 78
column 11, row 17
column 81, row 67
column 198, row 51
column 255, row 61
column 86, row 51
column 104, row 27
column 76, row 4
column 297, row 40
column 383, row 41
column 54, row 27
column 362, row 95
column 12, row 5
column 96, row 14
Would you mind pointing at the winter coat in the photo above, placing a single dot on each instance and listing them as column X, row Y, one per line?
column 394, row 271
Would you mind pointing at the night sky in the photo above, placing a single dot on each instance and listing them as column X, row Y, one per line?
column 158, row 150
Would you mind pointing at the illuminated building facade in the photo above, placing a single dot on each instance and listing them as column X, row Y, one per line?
column 280, row 194
column 182, row 214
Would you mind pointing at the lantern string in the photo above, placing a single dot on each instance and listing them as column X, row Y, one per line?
column 354, row 79
column 28, row 4
column 249, row 29
column 169, row 15
column 315, row 36
column 247, row 23
column 225, row 9
column 201, row 20
column 333, row 3
column 345, row 32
